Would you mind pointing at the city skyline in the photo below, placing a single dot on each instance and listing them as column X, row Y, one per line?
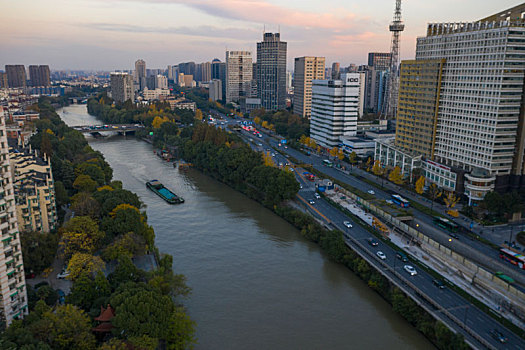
column 97, row 35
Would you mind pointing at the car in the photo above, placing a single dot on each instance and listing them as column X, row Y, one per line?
column 453, row 235
column 381, row 255
column 300, row 186
column 273, row 154
column 438, row 283
column 371, row 192
column 401, row 256
column 311, row 201
column 291, row 169
column 410, row 269
column 65, row 273
column 498, row 336
column 347, row 224
column 317, row 196
column 389, row 201
column 372, row 242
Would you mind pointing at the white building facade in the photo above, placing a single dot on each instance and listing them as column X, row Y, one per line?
column 335, row 108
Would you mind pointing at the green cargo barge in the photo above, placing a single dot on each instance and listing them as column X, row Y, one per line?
column 163, row 192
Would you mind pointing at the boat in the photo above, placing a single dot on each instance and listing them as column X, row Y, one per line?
column 163, row 192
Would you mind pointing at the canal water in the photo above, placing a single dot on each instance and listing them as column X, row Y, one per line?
column 257, row 284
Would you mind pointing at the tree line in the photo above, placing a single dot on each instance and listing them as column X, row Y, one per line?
column 99, row 244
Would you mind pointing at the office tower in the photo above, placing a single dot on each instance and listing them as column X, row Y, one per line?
column 161, row 82
column 289, row 82
column 203, row 72
column 335, row 108
column 13, row 301
column 188, row 68
column 140, row 73
column 16, row 75
column 238, row 74
column 185, row 80
column 169, row 72
column 122, row 87
column 336, row 70
column 215, row 90
column 3, row 80
column 379, row 60
column 271, row 71
column 39, row 76
column 479, row 129
column 306, row 69
column 218, row 71
column 418, row 106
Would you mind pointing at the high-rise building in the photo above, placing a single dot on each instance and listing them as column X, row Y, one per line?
column 3, row 80
column 238, row 74
column 188, row 68
column 215, row 90
column 39, row 75
column 271, row 71
column 218, row 71
column 379, row 60
column 13, row 301
column 140, row 73
column 418, row 106
column 185, row 80
column 475, row 73
column 336, row 70
column 203, row 72
column 306, row 69
column 335, row 108
column 122, row 87
column 16, row 75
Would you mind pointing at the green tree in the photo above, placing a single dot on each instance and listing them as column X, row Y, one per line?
column 38, row 250
column 83, row 204
column 68, row 327
column 84, row 183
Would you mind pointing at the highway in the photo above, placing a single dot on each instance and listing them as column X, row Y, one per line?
column 444, row 303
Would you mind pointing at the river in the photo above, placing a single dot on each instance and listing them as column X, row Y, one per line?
column 257, row 284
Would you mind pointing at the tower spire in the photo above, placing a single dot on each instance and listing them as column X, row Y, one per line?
column 389, row 110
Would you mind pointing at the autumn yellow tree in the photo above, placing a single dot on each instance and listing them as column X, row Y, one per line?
column 369, row 164
column 353, row 158
column 81, row 234
column 84, row 263
column 268, row 160
column 396, row 176
column 450, row 202
column 340, row 154
column 420, row 185
column 312, row 143
column 318, row 149
column 303, row 139
column 257, row 120
column 334, row 151
column 377, row 169
column 198, row 114
column 158, row 121
column 265, row 124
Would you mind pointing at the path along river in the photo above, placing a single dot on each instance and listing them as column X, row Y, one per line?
column 257, row 284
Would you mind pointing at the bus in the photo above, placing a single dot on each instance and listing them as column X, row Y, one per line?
column 512, row 257
column 402, row 202
column 327, row 163
column 446, row 224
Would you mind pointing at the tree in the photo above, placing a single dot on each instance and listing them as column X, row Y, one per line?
column 158, row 121
column 198, row 114
column 83, row 204
column 84, row 183
column 68, row 327
column 352, row 158
column 396, row 176
column 84, row 263
column 434, row 193
column 257, row 120
column 81, row 235
column 61, row 195
column 420, row 184
column 38, row 250
column 450, row 200
column 334, row 151
column 377, row 169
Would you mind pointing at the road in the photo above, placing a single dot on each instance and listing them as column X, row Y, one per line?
column 450, row 303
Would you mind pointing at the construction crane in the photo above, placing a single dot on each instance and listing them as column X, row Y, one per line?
column 389, row 110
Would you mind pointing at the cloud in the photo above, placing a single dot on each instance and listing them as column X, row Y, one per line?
column 201, row 31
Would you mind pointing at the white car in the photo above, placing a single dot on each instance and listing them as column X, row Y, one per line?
column 63, row 274
column 317, row 196
column 312, row 201
column 389, row 201
column 347, row 224
column 381, row 255
column 410, row 269
column 371, row 192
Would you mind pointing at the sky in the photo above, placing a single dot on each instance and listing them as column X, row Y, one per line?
column 112, row 34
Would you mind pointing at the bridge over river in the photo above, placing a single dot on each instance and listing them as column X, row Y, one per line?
column 108, row 128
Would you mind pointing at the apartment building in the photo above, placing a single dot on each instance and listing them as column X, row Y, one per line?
column 306, row 70
column 122, row 87
column 271, row 71
column 13, row 294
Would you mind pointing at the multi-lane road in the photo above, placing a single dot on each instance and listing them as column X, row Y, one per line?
column 447, row 305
